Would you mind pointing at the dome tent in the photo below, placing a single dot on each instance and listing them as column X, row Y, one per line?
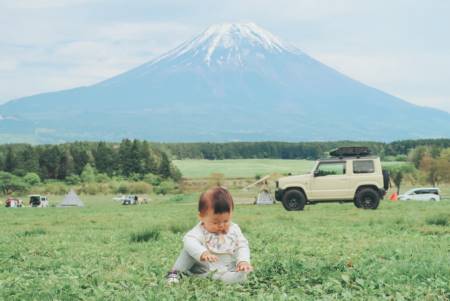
column 71, row 200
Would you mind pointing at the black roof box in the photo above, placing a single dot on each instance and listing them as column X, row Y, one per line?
column 350, row 151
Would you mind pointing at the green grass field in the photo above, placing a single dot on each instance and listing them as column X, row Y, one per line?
column 328, row 251
column 107, row 251
column 241, row 167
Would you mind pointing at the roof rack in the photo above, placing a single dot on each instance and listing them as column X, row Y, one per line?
column 350, row 151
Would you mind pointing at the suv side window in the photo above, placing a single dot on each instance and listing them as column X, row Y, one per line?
column 330, row 168
column 363, row 166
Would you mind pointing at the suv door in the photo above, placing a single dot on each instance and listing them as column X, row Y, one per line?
column 330, row 181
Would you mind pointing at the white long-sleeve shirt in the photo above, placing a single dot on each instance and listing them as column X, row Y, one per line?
column 233, row 243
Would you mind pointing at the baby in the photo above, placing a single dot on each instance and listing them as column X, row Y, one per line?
column 215, row 246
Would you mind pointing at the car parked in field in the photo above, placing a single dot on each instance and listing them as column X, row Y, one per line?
column 421, row 194
column 37, row 200
column 350, row 175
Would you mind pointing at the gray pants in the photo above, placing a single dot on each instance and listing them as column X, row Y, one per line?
column 224, row 269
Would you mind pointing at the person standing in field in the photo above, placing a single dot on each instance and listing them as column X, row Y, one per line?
column 216, row 245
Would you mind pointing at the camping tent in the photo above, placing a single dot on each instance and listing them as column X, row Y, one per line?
column 264, row 198
column 71, row 200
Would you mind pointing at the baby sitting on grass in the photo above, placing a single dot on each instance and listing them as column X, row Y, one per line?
column 215, row 246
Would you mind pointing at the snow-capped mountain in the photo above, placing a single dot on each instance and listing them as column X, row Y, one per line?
column 231, row 82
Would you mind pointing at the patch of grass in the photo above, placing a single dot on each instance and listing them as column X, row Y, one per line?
column 146, row 235
column 438, row 220
column 34, row 232
column 176, row 198
column 180, row 228
column 326, row 252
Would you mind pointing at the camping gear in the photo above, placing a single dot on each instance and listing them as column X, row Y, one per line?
column 37, row 200
column 264, row 196
column 13, row 203
column 350, row 151
column 71, row 200
column 131, row 199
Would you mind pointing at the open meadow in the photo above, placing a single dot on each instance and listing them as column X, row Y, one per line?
column 107, row 251
column 114, row 252
column 246, row 167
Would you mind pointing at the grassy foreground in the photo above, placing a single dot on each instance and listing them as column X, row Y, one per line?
column 111, row 252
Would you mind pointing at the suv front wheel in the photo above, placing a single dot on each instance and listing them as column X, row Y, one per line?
column 367, row 198
column 294, row 200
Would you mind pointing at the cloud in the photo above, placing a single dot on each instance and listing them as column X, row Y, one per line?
column 31, row 4
column 30, row 67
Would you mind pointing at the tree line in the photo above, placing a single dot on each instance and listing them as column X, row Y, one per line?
column 427, row 164
column 292, row 150
column 129, row 158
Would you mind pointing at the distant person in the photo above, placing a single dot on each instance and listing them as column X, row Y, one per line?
column 215, row 246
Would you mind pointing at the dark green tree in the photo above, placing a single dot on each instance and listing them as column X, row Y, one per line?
column 49, row 160
column 164, row 166
column 105, row 159
column 10, row 163
column 125, row 160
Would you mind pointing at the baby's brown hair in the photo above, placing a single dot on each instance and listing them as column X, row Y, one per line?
column 217, row 198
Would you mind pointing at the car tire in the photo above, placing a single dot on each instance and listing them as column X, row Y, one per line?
column 357, row 204
column 367, row 198
column 294, row 200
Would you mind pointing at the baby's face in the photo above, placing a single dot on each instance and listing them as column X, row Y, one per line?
column 216, row 223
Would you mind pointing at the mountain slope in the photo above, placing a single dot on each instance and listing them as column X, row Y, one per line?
column 232, row 82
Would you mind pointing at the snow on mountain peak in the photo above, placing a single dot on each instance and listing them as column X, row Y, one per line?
column 228, row 43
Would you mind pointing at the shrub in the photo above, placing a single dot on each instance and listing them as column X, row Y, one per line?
column 122, row 188
column 135, row 177
column 102, row 178
column 90, row 188
column 55, row 188
column 175, row 173
column 32, row 179
column 73, row 179
column 88, row 173
column 139, row 187
column 152, row 179
column 166, row 187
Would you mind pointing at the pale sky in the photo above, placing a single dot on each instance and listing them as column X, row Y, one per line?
column 400, row 46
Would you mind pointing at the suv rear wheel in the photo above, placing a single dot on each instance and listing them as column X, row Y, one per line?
column 294, row 200
column 367, row 198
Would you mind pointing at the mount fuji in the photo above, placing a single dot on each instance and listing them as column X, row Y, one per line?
column 233, row 82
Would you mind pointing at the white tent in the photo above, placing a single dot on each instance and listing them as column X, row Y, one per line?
column 264, row 198
column 71, row 200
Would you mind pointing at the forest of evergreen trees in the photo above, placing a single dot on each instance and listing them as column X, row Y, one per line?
column 133, row 157
column 126, row 159
column 287, row 150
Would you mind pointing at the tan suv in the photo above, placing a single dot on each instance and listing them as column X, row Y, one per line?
column 350, row 175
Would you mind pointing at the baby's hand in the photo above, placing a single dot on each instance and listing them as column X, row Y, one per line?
column 244, row 267
column 206, row 256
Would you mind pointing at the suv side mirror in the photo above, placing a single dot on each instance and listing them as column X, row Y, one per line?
column 316, row 173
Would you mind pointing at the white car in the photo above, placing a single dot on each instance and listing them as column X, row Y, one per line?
column 421, row 194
